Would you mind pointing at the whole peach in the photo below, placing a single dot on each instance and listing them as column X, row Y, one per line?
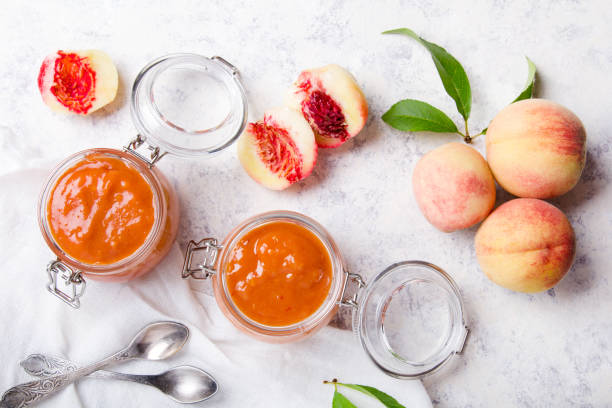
column 536, row 148
column 526, row 245
column 453, row 187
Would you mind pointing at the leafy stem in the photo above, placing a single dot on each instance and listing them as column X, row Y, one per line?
column 412, row 115
column 467, row 138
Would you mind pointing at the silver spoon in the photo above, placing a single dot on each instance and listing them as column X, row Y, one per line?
column 156, row 341
column 183, row 384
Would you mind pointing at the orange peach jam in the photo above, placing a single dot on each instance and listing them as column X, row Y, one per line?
column 101, row 210
column 279, row 274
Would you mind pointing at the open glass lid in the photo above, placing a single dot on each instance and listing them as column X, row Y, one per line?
column 189, row 105
column 410, row 319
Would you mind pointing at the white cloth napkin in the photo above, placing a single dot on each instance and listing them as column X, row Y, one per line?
column 250, row 373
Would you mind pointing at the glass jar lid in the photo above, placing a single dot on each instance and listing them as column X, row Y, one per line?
column 410, row 319
column 189, row 105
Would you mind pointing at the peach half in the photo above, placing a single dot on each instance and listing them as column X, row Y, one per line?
column 526, row 245
column 453, row 187
column 536, row 148
column 80, row 82
column 331, row 101
column 279, row 150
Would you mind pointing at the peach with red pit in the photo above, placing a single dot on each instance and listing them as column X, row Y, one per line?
column 78, row 82
column 279, row 150
column 332, row 103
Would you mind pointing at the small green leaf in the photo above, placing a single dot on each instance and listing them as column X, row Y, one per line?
column 528, row 91
column 413, row 116
column 386, row 399
column 451, row 72
column 340, row 401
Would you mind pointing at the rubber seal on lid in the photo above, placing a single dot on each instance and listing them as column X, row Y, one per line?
column 411, row 319
column 189, row 105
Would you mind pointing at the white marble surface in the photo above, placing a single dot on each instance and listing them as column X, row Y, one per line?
column 548, row 349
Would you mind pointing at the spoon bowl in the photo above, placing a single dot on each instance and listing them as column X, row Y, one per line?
column 186, row 384
column 158, row 341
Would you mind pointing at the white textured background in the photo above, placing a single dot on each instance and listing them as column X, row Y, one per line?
column 548, row 349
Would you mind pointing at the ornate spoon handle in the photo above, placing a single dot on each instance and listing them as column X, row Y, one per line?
column 41, row 365
column 31, row 392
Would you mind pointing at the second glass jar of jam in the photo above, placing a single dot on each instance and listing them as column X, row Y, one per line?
column 277, row 276
column 280, row 277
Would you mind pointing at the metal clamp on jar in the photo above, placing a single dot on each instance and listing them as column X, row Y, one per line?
column 183, row 105
column 409, row 318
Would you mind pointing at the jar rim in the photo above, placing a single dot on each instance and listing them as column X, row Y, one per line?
column 142, row 251
column 369, row 331
column 335, row 290
column 173, row 137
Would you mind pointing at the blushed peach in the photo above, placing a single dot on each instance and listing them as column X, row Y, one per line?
column 453, row 187
column 526, row 245
column 536, row 148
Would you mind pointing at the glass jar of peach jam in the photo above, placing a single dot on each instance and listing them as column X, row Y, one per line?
column 409, row 318
column 209, row 258
column 111, row 215
column 70, row 232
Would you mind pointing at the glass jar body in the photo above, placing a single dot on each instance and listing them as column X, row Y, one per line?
column 297, row 331
column 156, row 245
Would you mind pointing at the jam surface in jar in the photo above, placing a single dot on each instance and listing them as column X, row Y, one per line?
column 279, row 274
column 101, row 210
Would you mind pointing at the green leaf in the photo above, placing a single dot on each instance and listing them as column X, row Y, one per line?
column 414, row 116
column 386, row 399
column 340, row 401
column 451, row 72
column 528, row 91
